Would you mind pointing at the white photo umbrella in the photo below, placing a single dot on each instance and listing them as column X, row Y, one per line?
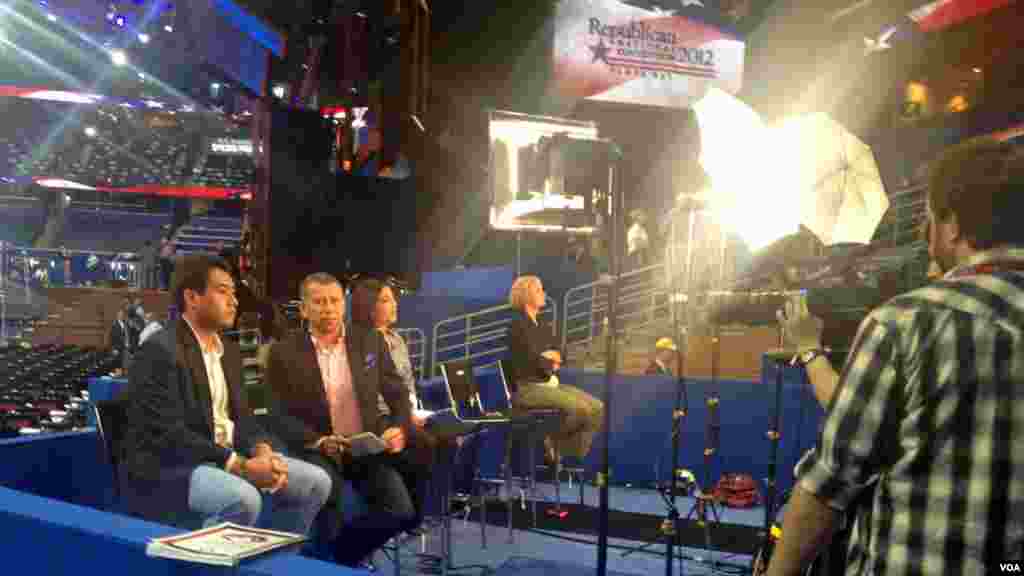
column 842, row 198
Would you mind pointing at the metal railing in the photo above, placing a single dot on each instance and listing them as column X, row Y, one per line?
column 416, row 342
column 907, row 211
column 37, row 267
column 643, row 300
column 119, row 208
column 480, row 334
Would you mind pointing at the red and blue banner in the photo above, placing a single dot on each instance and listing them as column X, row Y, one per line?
column 614, row 51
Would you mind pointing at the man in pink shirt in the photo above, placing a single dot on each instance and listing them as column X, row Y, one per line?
column 326, row 387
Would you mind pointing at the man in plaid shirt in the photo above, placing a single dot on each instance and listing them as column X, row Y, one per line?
column 930, row 403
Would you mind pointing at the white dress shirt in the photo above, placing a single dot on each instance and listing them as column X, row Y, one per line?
column 150, row 329
column 223, row 426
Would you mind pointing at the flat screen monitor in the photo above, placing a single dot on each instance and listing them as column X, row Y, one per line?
column 546, row 174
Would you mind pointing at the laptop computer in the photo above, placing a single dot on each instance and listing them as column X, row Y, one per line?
column 464, row 394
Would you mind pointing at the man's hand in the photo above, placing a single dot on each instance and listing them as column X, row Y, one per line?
column 260, row 472
column 395, row 439
column 262, row 449
column 333, row 446
column 800, row 329
column 280, row 471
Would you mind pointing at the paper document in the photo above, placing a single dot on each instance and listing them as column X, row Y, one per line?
column 366, row 444
column 225, row 544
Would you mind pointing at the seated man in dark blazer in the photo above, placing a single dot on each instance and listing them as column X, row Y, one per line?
column 325, row 386
column 121, row 337
column 190, row 441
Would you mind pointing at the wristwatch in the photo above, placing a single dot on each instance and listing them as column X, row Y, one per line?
column 807, row 356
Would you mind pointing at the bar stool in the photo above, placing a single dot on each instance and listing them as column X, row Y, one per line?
column 532, row 426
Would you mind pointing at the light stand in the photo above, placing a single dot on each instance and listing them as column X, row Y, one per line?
column 670, row 525
column 615, row 249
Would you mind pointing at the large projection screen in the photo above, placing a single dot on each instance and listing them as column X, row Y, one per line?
column 640, row 53
column 541, row 172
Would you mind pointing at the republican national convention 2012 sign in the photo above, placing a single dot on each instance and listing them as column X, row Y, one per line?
column 617, row 52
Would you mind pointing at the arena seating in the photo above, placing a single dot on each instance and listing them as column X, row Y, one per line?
column 27, row 142
column 44, row 388
column 93, row 228
column 116, row 146
column 21, row 217
column 223, row 171
column 202, row 233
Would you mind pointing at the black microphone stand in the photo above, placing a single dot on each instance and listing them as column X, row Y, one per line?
column 670, row 527
column 680, row 298
column 615, row 250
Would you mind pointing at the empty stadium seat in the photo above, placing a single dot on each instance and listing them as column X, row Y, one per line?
column 43, row 389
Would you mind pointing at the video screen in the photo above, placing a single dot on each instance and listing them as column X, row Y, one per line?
column 547, row 174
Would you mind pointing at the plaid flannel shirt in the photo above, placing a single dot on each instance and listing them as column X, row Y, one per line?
column 929, row 414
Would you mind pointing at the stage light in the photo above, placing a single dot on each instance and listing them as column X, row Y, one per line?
column 118, row 57
column 732, row 135
column 977, row 70
column 279, row 91
column 144, row 38
column 168, row 28
column 51, row 17
column 90, row 131
column 120, row 21
column 142, row 76
column 111, row 16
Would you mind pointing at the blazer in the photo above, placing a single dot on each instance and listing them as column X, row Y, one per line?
column 526, row 342
column 169, row 416
column 119, row 333
column 299, row 400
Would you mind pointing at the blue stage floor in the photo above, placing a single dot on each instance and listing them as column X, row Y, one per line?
column 533, row 553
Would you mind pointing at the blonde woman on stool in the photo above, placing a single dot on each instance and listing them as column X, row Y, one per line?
column 531, row 367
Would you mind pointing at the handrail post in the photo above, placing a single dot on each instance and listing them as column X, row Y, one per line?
column 593, row 304
column 3, row 292
column 465, row 340
column 433, row 351
column 565, row 320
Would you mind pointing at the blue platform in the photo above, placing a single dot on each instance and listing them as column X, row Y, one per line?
column 52, row 492
column 641, row 415
column 53, row 487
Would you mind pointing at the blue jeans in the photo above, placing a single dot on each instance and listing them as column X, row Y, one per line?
column 222, row 497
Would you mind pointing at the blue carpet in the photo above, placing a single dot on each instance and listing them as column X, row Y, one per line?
column 521, row 566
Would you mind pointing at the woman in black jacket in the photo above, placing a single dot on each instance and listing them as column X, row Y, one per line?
column 533, row 360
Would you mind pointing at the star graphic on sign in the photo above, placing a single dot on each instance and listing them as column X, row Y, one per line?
column 686, row 3
column 600, row 52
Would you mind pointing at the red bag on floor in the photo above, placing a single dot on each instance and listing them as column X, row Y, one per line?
column 737, row 491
